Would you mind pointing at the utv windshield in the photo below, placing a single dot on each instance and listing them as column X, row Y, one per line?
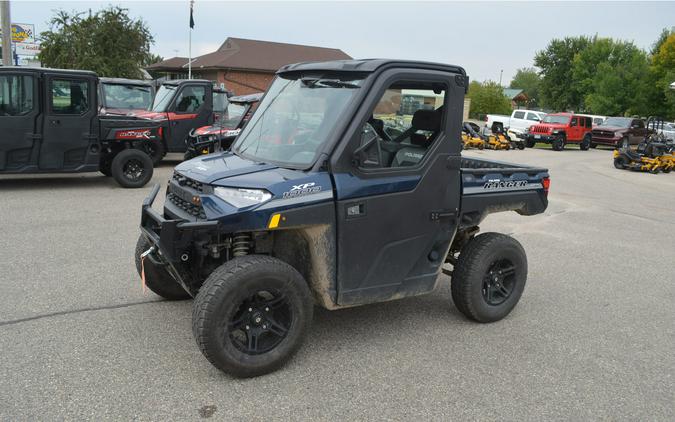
column 295, row 119
column 129, row 97
column 234, row 114
column 617, row 122
column 560, row 120
column 163, row 98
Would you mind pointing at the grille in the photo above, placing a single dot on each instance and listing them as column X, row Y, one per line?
column 188, row 207
column 185, row 181
column 603, row 133
column 539, row 129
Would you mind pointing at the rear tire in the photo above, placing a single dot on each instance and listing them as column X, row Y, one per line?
column 489, row 277
column 251, row 315
column 156, row 277
column 585, row 143
column 620, row 163
column 132, row 168
column 521, row 145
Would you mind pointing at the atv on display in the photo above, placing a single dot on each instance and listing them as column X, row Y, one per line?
column 49, row 123
column 315, row 203
column 220, row 135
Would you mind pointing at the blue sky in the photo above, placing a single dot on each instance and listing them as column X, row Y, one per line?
column 483, row 37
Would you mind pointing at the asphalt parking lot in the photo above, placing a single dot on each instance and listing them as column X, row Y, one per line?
column 592, row 338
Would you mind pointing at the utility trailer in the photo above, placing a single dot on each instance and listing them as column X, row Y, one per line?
column 316, row 203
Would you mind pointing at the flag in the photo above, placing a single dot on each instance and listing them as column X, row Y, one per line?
column 192, row 19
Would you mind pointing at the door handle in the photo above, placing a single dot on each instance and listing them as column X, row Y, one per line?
column 56, row 122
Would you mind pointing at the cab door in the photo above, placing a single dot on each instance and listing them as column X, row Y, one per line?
column 191, row 109
column 19, row 114
column 398, row 195
column 69, row 129
column 573, row 130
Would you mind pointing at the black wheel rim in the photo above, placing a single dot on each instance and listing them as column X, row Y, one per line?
column 499, row 282
column 133, row 169
column 261, row 322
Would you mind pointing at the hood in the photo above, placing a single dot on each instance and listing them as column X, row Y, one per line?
column 230, row 170
column 152, row 115
column 212, row 130
column 610, row 128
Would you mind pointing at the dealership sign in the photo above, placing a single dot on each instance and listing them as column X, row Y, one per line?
column 23, row 32
column 27, row 49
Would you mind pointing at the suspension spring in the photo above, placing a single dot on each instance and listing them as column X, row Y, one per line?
column 241, row 243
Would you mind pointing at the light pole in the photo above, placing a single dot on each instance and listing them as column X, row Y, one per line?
column 6, row 33
column 501, row 72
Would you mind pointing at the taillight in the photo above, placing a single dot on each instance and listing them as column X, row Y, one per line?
column 546, row 183
column 160, row 132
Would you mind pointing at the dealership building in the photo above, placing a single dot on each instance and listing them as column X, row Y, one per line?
column 244, row 66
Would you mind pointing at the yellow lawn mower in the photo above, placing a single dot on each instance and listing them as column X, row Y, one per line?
column 471, row 138
column 498, row 139
column 653, row 154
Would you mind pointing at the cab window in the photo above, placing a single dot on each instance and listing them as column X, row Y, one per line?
column 519, row 115
column 403, row 127
column 573, row 122
column 69, row 96
column 16, row 95
column 190, row 99
column 532, row 117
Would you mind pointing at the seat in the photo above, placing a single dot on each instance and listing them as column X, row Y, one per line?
column 423, row 120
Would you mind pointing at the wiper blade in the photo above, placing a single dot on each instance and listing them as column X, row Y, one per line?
column 328, row 83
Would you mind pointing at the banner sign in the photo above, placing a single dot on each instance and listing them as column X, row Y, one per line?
column 27, row 49
column 23, row 32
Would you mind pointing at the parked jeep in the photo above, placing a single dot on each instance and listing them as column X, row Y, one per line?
column 560, row 129
column 619, row 132
column 316, row 204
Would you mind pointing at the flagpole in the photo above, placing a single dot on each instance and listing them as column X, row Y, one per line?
column 192, row 2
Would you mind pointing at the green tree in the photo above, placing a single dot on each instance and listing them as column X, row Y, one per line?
column 108, row 42
column 663, row 71
column 488, row 98
column 528, row 80
column 557, row 89
column 612, row 77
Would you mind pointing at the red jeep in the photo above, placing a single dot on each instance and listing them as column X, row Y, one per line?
column 559, row 129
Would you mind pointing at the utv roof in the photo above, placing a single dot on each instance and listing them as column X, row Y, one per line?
column 124, row 81
column 180, row 81
column 367, row 65
column 250, row 98
column 45, row 70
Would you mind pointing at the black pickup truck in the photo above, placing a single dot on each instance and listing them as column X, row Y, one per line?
column 50, row 123
column 316, row 203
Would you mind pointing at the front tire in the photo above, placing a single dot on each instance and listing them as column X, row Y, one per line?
column 530, row 143
column 521, row 145
column 251, row 315
column 132, row 168
column 156, row 277
column 620, row 163
column 559, row 143
column 489, row 277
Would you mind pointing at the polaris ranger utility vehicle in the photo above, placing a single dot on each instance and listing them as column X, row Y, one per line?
column 315, row 204
column 118, row 96
column 49, row 123
column 220, row 135
column 181, row 106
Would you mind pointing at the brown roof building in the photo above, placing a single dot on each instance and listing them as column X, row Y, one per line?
column 245, row 66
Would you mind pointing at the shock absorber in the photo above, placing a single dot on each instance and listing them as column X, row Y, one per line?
column 241, row 243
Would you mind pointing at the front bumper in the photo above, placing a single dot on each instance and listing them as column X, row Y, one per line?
column 540, row 137
column 174, row 239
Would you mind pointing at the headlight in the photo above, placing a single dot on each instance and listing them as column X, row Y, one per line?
column 242, row 198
